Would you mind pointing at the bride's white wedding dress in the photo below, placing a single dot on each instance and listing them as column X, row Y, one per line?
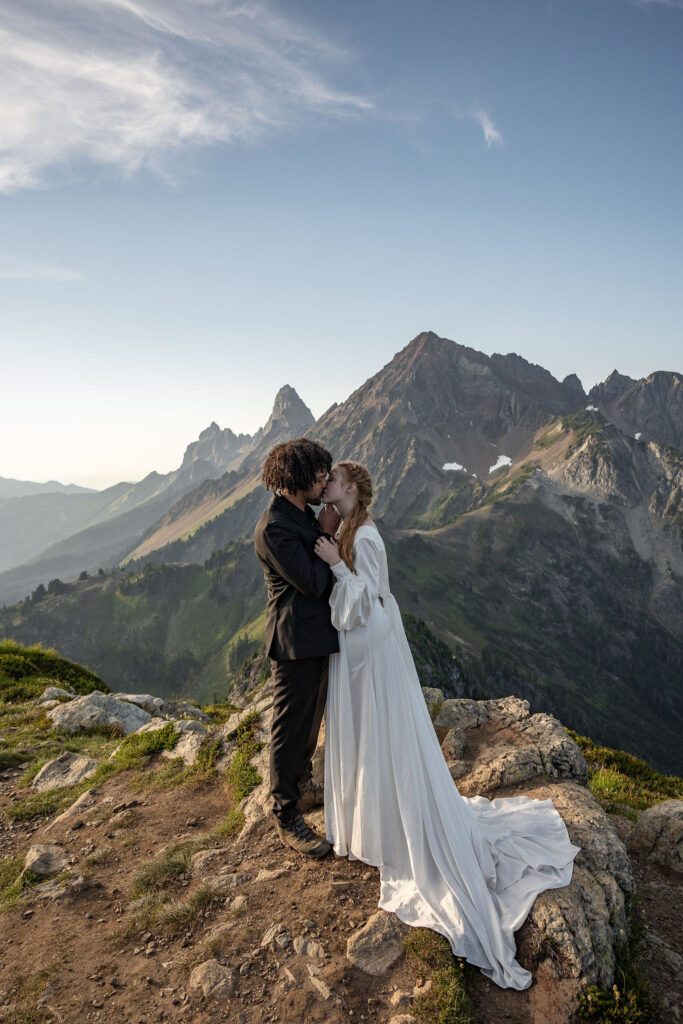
column 469, row 868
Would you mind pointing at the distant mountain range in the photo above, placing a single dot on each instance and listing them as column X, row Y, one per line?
column 535, row 528
column 43, row 536
column 20, row 488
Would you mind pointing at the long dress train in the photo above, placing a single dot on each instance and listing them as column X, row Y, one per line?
column 469, row 868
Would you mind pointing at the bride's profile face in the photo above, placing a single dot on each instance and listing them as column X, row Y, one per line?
column 334, row 489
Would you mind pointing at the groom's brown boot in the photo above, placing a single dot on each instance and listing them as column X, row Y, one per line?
column 311, row 794
column 297, row 834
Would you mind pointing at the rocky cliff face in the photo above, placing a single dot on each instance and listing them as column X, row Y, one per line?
column 439, row 404
column 650, row 409
column 223, row 449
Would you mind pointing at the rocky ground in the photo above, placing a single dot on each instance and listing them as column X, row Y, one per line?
column 159, row 904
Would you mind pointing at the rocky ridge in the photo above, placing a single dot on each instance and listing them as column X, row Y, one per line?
column 272, row 936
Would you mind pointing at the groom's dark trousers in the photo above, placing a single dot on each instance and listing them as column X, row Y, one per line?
column 299, row 639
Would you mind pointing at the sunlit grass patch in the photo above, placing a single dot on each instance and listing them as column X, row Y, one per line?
column 220, row 713
column 447, row 1001
column 22, row 663
column 167, row 867
column 164, row 776
column 624, row 783
column 241, row 774
column 158, row 910
column 97, row 858
column 12, row 882
column 231, row 825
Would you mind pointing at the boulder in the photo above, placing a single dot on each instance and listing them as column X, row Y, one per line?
column 454, row 743
column 577, row 928
column 307, row 947
column 532, row 746
column 377, row 946
column 43, row 859
column 658, row 834
column 213, row 979
column 147, row 701
column 66, row 770
column 56, row 692
column 464, row 713
column 433, row 698
column 98, row 710
column 189, row 744
column 460, row 713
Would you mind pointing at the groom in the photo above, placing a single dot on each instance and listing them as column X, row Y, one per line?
column 299, row 633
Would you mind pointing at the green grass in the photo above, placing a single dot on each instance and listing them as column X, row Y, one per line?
column 134, row 751
column 13, row 883
column 447, row 1001
column 548, row 438
column 176, row 773
column 231, row 825
column 241, row 774
column 156, row 874
column 138, row 748
column 42, row 661
column 157, row 910
column 623, row 783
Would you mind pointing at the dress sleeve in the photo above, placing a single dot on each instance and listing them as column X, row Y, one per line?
column 354, row 594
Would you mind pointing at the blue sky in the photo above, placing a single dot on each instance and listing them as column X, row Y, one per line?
column 202, row 201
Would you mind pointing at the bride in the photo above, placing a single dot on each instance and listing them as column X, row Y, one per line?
column 467, row 868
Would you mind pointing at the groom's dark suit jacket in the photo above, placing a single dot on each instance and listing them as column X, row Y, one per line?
column 299, row 583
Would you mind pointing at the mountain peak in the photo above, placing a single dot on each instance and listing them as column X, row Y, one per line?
column 612, row 388
column 290, row 414
column 211, row 431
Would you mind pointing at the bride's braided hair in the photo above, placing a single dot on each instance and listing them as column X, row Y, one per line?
column 357, row 474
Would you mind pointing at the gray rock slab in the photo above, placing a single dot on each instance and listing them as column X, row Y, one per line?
column 53, row 692
column 377, row 946
column 98, row 710
column 187, row 747
column 207, row 859
column 80, row 804
column 215, row 981
column 44, row 859
column 224, row 882
column 658, row 834
column 66, row 770
column 147, row 701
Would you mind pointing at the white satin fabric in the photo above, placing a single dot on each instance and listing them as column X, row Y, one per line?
column 469, row 868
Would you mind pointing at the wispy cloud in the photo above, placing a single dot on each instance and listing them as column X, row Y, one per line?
column 491, row 134
column 13, row 268
column 676, row 4
column 131, row 83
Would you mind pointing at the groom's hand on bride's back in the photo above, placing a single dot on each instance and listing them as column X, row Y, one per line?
column 329, row 519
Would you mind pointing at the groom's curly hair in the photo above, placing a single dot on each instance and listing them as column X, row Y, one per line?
column 292, row 465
